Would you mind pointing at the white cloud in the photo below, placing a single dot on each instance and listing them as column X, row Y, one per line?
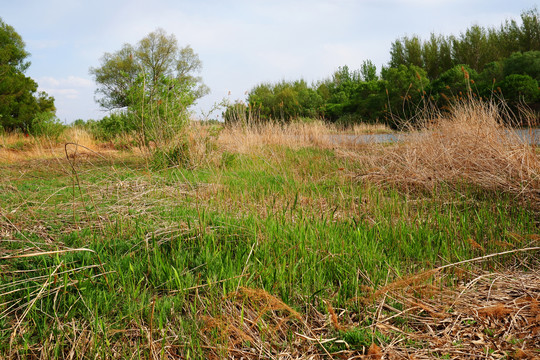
column 70, row 81
column 62, row 93
column 68, row 88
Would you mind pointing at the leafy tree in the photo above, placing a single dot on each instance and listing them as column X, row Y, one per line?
column 529, row 35
column 115, row 77
column 445, row 53
column 430, row 54
column 285, row 100
column 406, row 51
column 154, row 57
column 454, row 84
column 154, row 83
column 397, row 54
column 476, row 47
column 413, row 51
column 367, row 103
column 527, row 63
column 261, row 97
column 472, row 48
column 492, row 73
column 518, row 88
column 507, row 38
column 406, row 89
column 20, row 104
column 368, row 71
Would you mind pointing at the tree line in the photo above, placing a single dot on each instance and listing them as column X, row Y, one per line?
column 149, row 86
column 481, row 62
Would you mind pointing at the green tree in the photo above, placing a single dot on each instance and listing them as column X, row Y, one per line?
column 529, row 35
column 368, row 71
column 527, row 63
column 154, row 83
column 367, row 103
column 405, row 86
column 397, row 54
column 285, row 101
column 262, row 98
column 154, row 57
column 413, row 51
column 472, row 48
column 454, row 84
column 492, row 73
column 518, row 88
column 406, row 51
column 430, row 54
column 20, row 104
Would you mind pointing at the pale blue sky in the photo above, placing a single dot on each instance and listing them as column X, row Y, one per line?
column 240, row 42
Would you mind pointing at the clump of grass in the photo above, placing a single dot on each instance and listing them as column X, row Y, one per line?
column 473, row 145
column 193, row 147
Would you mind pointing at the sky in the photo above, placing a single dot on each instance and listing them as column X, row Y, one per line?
column 241, row 43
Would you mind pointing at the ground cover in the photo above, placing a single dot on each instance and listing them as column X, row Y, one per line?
column 286, row 248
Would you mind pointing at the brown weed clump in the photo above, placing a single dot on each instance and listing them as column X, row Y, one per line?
column 474, row 144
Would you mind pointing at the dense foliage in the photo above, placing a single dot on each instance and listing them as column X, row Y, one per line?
column 21, row 106
column 479, row 63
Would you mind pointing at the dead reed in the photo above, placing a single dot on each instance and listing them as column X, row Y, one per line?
column 246, row 139
column 473, row 144
column 488, row 316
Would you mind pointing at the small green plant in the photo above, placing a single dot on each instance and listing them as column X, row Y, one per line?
column 358, row 338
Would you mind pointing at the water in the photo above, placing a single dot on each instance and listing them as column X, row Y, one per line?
column 532, row 136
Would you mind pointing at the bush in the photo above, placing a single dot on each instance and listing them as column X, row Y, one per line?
column 469, row 145
column 47, row 124
column 112, row 126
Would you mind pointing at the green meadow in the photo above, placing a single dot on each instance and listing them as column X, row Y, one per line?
column 278, row 251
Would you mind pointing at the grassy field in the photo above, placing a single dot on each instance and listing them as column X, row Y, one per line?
column 269, row 244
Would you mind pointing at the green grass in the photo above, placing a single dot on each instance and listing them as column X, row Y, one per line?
column 169, row 247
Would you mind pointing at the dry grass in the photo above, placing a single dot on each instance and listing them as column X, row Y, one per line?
column 470, row 145
column 201, row 140
column 489, row 316
column 16, row 147
column 243, row 139
column 368, row 129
